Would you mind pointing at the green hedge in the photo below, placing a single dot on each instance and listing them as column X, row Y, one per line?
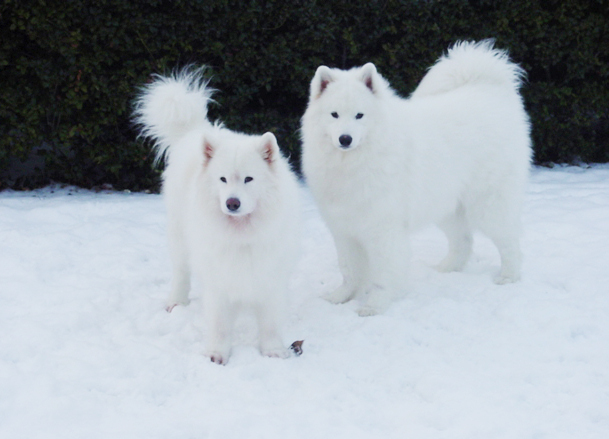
column 69, row 70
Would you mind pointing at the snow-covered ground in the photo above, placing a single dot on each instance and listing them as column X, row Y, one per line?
column 87, row 351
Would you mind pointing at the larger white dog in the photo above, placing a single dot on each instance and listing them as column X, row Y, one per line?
column 233, row 212
column 456, row 153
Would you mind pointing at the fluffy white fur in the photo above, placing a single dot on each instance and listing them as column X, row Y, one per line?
column 456, row 153
column 233, row 212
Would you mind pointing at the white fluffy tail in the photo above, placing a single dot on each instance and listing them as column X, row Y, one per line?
column 170, row 107
column 469, row 63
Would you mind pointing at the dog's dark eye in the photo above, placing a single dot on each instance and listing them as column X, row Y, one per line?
column 359, row 115
column 248, row 179
column 335, row 115
column 223, row 180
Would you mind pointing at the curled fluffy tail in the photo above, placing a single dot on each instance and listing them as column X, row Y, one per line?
column 470, row 63
column 170, row 107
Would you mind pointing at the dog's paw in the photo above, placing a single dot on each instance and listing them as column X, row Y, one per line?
column 171, row 305
column 377, row 300
column 276, row 353
column 340, row 295
column 274, row 348
column 450, row 265
column 217, row 357
column 368, row 311
column 503, row 279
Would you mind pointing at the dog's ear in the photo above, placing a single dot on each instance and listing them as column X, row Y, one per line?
column 323, row 76
column 369, row 76
column 268, row 149
column 208, row 151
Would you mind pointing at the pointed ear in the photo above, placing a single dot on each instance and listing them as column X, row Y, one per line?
column 369, row 76
column 268, row 149
column 208, row 151
column 323, row 76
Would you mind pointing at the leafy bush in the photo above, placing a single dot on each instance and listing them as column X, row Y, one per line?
column 71, row 69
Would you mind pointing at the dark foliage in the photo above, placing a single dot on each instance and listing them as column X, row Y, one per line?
column 70, row 70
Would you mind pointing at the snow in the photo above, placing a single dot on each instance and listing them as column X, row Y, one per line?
column 87, row 350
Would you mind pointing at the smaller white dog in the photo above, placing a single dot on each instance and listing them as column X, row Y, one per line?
column 233, row 212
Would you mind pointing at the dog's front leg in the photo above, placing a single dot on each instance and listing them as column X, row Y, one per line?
column 219, row 319
column 271, row 344
column 388, row 253
column 353, row 267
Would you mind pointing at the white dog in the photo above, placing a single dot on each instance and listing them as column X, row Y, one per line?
column 456, row 153
column 233, row 212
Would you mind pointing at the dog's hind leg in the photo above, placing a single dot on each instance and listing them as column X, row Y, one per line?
column 180, row 286
column 511, row 258
column 180, row 279
column 502, row 225
column 460, row 241
column 178, row 251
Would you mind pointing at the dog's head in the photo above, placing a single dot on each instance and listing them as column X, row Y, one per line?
column 345, row 100
column 241, row 169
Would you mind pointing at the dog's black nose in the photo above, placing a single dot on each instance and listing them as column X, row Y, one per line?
column 345, row 140
column 233, row 204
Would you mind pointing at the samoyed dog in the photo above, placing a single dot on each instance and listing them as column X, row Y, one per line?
column 456, row 153
column 233, row 212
